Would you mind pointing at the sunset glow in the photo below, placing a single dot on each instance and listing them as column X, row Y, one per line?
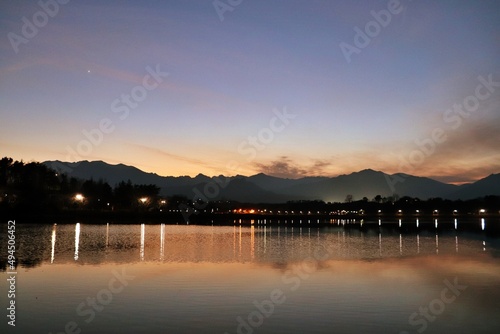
column 177, row 88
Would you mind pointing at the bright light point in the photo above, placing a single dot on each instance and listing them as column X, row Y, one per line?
column 482, row 211
column 143, row 200
column 79, row 197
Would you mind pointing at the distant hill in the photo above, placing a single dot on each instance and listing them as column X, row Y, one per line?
column 369, row 183
column 261, row 188
column 490, row 185
column 273, row 183
column 113, row 174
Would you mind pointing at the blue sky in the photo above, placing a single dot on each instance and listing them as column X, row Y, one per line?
column 227, row 79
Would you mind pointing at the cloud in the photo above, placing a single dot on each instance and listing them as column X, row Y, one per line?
column 469, row 152
column 284, row 167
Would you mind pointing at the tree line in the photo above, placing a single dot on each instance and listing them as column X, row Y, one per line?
column 34, row 187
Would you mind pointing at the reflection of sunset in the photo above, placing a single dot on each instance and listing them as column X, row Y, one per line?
column 220, row 270
column 254, row 242
column 347, row 283
column 403, row 270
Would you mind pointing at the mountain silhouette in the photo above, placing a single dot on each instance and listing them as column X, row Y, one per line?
column 262, row 188
column 490, row 185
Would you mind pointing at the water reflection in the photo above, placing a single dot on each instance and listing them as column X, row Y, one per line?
column 380, row 244
column 400, row 244
column 53, row 243
column 252, row 242
column 77, row 240
column 374, row 277
column 162, row 242
column 240, row 243
column 143, row 232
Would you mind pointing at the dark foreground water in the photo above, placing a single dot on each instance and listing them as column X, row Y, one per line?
column 342, row 278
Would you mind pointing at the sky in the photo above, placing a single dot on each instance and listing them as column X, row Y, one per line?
column 288, row 88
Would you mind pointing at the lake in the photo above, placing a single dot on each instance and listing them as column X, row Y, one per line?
column 256, row 277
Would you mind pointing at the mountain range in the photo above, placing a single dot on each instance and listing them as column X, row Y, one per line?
column 262, row 188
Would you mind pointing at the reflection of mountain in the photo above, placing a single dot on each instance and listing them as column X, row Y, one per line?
column 262, row 188
column 113, row 243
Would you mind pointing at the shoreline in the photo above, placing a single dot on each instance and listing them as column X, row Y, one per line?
column 203, row 218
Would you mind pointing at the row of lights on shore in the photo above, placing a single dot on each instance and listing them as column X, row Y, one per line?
column 435, row 212
column 80, row 198
column 343, row 212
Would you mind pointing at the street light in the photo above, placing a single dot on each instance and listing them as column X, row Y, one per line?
column 79, row 198
column 143, row 200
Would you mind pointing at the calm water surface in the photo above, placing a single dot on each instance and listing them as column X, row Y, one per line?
column 146, row 278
